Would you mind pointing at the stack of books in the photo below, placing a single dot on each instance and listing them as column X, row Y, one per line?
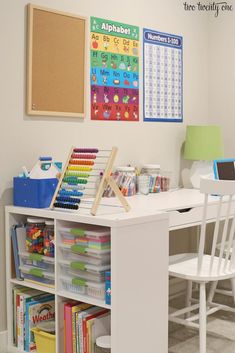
column 30, row 308
column 83, row 323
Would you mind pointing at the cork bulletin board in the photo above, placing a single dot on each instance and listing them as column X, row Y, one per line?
column 56, row 63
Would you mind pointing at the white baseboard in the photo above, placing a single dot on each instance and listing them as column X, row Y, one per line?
column 3, row 341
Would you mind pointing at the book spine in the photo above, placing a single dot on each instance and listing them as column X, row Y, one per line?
column 84, row 332
column 65, row 328
column 17, row 318
column 77, row 335
column 27, row 328
column 68, row 321
column 21, row 323
column 74, row 332
column 80, row 317
column 92, row 344
column 31, row 343
column 14, row 315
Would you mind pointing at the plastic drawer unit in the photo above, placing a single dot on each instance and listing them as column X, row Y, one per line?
column 93, row 237
column 85, row 271
column 82, row 286
column 37, row 275
column 86, row 255
column 36, row 260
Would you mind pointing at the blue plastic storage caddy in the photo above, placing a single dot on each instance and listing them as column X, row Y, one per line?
column 35, row 193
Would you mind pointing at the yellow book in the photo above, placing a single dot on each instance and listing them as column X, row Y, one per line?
column 89, row 334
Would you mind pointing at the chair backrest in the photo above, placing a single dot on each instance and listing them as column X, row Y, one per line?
column 224, row 191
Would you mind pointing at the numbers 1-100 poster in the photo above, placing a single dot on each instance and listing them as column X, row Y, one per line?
column 163, row 76
column 114, row 76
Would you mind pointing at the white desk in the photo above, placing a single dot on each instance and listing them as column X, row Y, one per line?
column 139, row 263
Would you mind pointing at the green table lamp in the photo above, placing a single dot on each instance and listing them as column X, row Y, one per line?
column 203, row 144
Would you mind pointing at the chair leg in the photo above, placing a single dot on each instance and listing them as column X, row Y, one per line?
column 233, row 288
column 202, row 318
column 188, row 296
column 212, row 291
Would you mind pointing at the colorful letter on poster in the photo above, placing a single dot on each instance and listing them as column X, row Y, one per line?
column 114, row 70
column 163, row 76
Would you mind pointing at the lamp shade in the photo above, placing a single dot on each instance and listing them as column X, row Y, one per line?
column 203, row 143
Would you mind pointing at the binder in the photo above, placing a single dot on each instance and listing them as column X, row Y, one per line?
column 18, row 236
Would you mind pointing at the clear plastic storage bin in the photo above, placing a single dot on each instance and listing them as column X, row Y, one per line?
column 34, row 235
column 49, row 239
column 38, row 275
column 89, row 237
column 81, row 286
column 85, row 271
column 125, row 178
column 38, row 261
column 85, row 255
column 153, row 171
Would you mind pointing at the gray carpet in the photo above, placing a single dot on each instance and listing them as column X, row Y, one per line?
column 220, row 332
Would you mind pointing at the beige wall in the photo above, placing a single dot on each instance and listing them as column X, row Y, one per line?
column 222, row 76
column 23, row 138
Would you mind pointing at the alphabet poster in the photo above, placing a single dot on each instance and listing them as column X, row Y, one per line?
column 114, row 75
column 163, row 76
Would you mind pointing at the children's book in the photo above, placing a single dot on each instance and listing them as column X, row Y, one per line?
column 20, row 310
column 16, row 290
column 37, row 310
column 68, row 337
column 89, row 341
column 76, row 309
column 81, row 316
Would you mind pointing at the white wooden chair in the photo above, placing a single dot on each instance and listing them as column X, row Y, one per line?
column 208, row 268
column 228, row 292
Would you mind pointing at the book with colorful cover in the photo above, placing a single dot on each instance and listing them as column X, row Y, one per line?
column 37, row 310
column 36, row 297
column 81, row 316
column 20, row 310
column 75, row 309
column 16, row 290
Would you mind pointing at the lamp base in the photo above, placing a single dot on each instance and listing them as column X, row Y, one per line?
column 200, row 169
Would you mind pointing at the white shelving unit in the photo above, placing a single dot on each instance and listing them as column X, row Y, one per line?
column 139, row 265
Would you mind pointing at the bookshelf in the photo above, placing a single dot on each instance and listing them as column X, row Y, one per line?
column 139, row 242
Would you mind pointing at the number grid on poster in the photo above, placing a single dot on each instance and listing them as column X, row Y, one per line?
column 163, row 76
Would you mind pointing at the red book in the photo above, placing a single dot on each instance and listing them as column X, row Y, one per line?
column 68, row 333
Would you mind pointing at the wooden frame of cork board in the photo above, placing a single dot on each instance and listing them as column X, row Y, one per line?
column 56, row 63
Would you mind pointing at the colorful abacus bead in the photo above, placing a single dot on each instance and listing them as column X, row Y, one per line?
column 66, row 205
column 83, row 156
column 81, row 162
column 86, row 150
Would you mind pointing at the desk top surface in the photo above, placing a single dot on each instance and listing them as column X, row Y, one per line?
column 144, row 208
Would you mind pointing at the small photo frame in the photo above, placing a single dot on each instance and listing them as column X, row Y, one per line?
column 224, row 169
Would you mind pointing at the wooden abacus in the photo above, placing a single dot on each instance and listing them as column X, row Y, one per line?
column 77, row 180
